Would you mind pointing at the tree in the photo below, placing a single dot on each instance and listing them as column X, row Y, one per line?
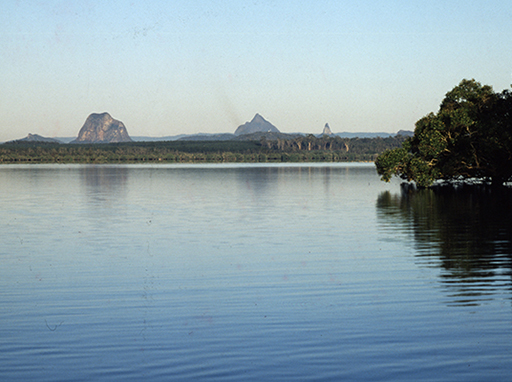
column 469, row 138
column 495, row 141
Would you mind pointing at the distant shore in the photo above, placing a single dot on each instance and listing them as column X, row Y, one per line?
column 307, row 149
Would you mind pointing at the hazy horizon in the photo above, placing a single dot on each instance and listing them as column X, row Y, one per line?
column 170, row 68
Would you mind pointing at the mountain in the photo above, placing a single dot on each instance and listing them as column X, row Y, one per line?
column 258, row 124
column 36, row 138
column 327, row 130
column 102, row 128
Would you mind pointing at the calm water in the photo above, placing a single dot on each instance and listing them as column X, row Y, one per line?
column 249, row 273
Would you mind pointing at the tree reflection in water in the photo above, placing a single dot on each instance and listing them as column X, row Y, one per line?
column 466, row 231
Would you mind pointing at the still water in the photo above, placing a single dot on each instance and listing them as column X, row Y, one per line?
column 249, row 273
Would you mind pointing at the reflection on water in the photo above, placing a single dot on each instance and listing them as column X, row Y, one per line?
column 102, row 181
column 465, row 232
column 105, row 177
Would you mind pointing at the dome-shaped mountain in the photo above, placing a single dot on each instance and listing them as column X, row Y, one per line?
column 102, row 128
column 257, row 125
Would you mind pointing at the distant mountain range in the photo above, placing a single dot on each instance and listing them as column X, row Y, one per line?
column 223, row 137
column 102, row 128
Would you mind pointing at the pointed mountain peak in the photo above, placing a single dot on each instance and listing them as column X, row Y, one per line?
column 258, row 118
column 327, row 130
column 258, row 124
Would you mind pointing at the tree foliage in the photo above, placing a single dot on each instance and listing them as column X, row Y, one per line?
column 470, row 138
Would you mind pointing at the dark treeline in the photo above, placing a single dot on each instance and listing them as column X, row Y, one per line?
column 301, row 149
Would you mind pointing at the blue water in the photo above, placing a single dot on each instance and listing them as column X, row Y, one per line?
column 247, row 273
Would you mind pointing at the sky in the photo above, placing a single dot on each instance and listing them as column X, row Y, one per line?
column 174, row 67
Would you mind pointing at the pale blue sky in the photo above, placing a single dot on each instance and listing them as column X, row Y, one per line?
column 172, row 67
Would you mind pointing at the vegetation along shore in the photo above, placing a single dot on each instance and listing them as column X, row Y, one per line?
column 298, row 149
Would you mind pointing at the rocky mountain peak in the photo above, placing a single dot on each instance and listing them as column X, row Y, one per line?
column 257, row 125
column 258, row 119
column 327, row 130
column 102, row 128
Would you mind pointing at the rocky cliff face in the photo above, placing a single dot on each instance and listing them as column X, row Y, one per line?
column 102, row 128
column 257, row 125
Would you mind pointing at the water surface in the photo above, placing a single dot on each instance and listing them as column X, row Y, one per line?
column 248, row 272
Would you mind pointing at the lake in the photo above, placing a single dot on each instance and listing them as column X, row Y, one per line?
column 246, row 272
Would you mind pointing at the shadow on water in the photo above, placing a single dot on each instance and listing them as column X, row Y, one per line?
column 465, row 231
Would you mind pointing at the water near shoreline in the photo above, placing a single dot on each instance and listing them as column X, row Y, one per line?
column 304, row 272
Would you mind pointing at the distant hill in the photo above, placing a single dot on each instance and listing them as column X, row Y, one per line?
column 405, row 133
column 35, row 138
column 208, row 137
column 136, row 138
column 257, row 125
column 65, row 139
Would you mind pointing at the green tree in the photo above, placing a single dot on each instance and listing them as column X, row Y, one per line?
column 469, row 138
